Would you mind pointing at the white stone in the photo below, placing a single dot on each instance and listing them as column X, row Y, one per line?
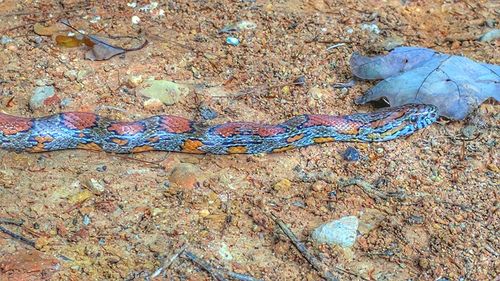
column 340, row 232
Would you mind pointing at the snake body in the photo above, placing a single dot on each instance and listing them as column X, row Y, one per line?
column 81, row 130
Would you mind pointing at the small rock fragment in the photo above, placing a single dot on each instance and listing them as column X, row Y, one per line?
column 153, row 104
column 86, row 220
column 43, row 96
column 135, row 20
column 80, row 197
column 207, row 113
column 371, row 27
column 71, row 74
column 340, row 232
column 204, row 213
column 316, row 93
column 96, row 186
column 282, row 186
column 415, row 219
column 134, row 81
column 300, row 81
column 351, row 154
column 4, row 40
column 232, row 41
column 184, row 175
column 167, row 92
column 490, row 35
column 225, row 253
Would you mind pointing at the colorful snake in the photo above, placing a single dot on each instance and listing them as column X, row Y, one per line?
column 81, row 130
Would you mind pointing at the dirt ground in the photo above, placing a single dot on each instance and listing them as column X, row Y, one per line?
column 98, row 216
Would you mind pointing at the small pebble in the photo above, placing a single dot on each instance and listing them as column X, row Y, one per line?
column 469, row 131
column 153, row 104
column 96, row 186
column 71, row 74
column 65, row 102
column 299, row 204
column 86, row 220
column 282, row 186
column 232, row 41
column 340, row 232
column 414, row 219
column 204, row 213
column 185, row 175
column 4, row 40
column 351, row 154
column 136, row 20
column 43, row 96
column 332, row 194
column 319, row 186
column 300, row 81
column 167, row 91
column 134, row 81
column 373, row 28
column 490, row 35
column 207, row 113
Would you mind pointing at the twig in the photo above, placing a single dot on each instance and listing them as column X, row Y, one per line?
column 204, row 265
column 316, row 264
column 17, row 236
column 367, row 188
column 238, row 276
column 169, row 262
column 329, row 48
column 12, row 221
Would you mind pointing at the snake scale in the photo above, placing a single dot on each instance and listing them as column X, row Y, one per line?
column 81, row 130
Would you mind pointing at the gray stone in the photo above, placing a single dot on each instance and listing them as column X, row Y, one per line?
column 40, row 95
column 340, row 232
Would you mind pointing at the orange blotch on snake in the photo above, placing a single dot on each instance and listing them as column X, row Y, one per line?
column 294, row 138
column 323, row 140
column 192, row 146
column 126, row 128
column 143, row 148
column 119, row 141
column 393, row 116
column 175, row 124
column 90, row 146
column 237, row 149
column 231, row 129
column 340, row 124
column 41, row 140
column 153, row 140
column 79, row 120
column 11, row 125
column 285, row 148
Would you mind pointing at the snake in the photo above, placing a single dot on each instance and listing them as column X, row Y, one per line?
column 90, row 131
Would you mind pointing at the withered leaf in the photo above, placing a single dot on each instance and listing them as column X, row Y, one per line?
column 455, row 84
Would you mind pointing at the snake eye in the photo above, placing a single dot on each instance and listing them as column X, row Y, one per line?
column 413, row 118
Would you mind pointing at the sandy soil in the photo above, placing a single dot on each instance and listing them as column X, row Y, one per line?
column 97, row 216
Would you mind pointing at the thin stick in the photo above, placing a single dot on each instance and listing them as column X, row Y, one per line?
column 238, row 276
column 316, row 264
column 12, row 221
column 367, row 188
column 17, row 236
column 204, row 265
column 166, row 265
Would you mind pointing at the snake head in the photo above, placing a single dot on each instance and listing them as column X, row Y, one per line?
column 396, row 122
column 420, row 115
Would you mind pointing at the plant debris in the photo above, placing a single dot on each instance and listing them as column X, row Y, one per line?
column 99, row 47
